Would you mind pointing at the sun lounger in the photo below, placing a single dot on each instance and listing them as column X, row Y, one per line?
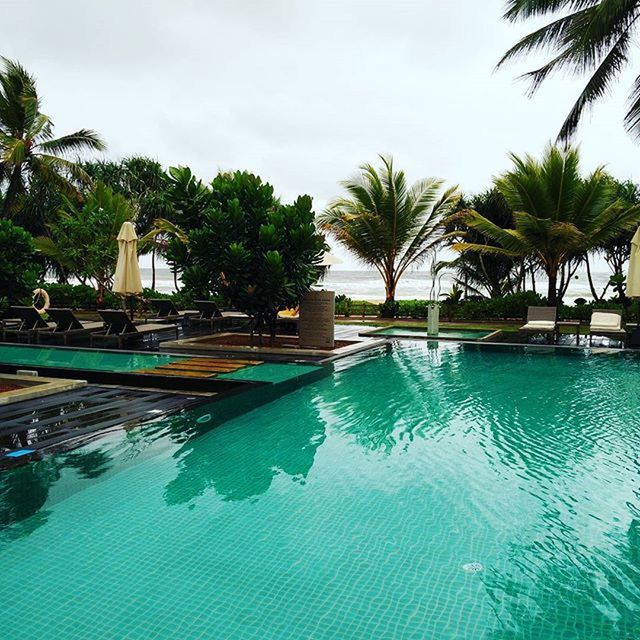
column 25, row 321
column 119, row 327
column 540, row 320
column 607, row 324
column 67, row 325
column 166, row 310
column 211, row 315
column 287, row 321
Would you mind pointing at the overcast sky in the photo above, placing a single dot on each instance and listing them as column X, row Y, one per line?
column 301, row 92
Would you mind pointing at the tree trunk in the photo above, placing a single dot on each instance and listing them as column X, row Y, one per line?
column 389, row 307
column 12, row 192
column 533, row 279
column 594, row 293
column 552, row 292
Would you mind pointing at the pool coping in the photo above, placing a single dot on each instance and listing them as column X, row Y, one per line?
column 192, row 346
column 377, row 332
column 36, row 387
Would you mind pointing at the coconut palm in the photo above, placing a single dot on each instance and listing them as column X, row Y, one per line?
column 592, row 37
column 387, row 224
column 27, row 145
column 479, row 272
column 558, row 216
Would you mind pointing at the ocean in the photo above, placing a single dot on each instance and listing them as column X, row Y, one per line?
column 367, row 285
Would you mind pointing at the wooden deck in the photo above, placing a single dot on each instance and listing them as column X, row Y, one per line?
column 200, row 367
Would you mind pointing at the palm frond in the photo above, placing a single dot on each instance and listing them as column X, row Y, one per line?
column 81, row 140
column 594, row 38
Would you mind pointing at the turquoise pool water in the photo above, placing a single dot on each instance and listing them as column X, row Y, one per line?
column 94, row 360
column 421, row 332
column 274, row 372
column 354, row 507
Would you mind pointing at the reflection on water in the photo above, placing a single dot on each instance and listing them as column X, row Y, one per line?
column 243, row 463
column 25, row 490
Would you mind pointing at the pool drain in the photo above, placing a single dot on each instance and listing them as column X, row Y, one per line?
column 473, row 567
column 204, row 419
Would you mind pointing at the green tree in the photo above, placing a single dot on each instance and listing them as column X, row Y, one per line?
column 19, row 269
column 558, row 216
column 143, row 182
column 593, row 37
column 188, row 198
column 388, row 224
column 245, row 245
column 484, row 273
column 83, row 238
column 616, row 250
column 27, row 145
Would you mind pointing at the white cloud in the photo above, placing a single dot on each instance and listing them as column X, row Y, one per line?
column 302, row 91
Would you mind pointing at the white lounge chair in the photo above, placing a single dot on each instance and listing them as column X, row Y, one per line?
column 607, row 324
column 540, row 320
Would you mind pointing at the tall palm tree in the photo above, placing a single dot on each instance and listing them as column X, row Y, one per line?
column 479, row 272
column 558, row 216
column 27, row 145
column 592, row 37
column 387, row 224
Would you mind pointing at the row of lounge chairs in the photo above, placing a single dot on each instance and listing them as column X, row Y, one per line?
column 605, row 323
column 115, row 325
column 64, row 325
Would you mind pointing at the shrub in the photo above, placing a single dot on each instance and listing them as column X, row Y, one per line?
column 344, row 305
column 80, row 296
column 19, row 269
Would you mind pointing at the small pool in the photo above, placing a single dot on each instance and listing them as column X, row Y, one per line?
column 423, row 490
column 421, row 332
column 92, row 359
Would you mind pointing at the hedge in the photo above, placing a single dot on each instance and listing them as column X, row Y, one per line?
column 81, row 296
column 512, row 307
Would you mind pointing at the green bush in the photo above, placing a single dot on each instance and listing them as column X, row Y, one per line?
column 505, row 308
column 82, row 296
column 412, row 308
column 79, row 296
column 344, row 305
column 19, row 268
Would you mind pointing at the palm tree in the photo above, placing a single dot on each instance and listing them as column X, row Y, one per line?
column 480, row 272
column 558, row 216
column 27, row 145
column 387, row 224
column 584, row 36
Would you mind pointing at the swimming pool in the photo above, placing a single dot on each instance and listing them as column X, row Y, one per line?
column 421, row 332
column 424, row 490
column 87, row 359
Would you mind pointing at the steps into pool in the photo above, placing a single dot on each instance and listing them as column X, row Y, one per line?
column 201, row 367
column 44, row 422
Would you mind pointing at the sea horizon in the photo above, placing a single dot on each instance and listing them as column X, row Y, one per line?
column 360, row 284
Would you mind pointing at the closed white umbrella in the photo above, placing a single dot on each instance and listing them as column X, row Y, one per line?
column 633, row 283
column 633, row 276
column 127, row 280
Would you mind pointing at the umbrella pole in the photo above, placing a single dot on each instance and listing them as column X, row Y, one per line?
column 131, row 307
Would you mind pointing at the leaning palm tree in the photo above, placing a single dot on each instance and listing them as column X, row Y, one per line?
column 387, row 224
column 558, row 216
column 592, row 37
column 27, row 145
